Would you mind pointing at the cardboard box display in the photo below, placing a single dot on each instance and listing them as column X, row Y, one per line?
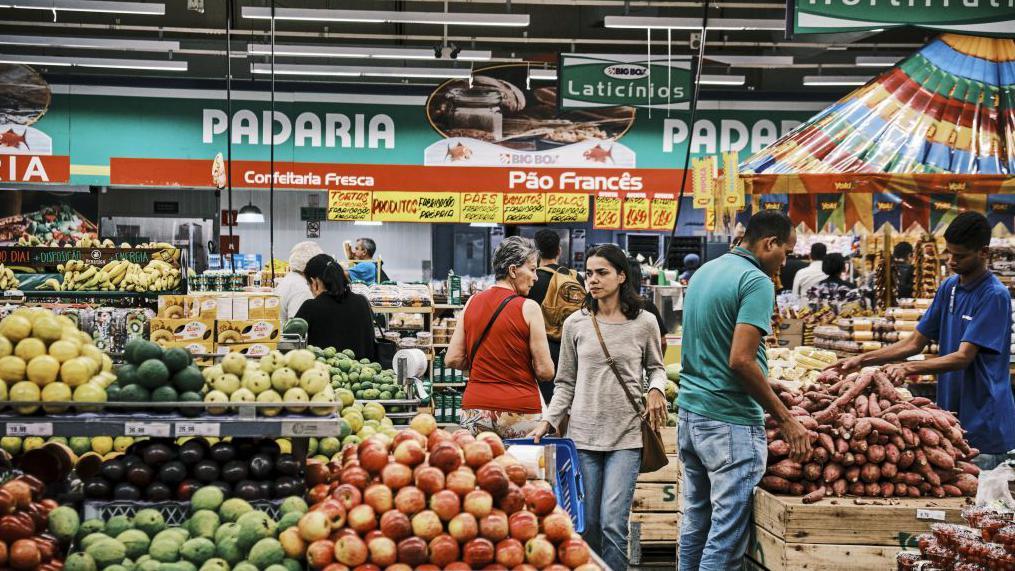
column 248, row 349
column 791, row 327
column 247, row 331
column 790, row 341
column 196, row 348
column 190, row 329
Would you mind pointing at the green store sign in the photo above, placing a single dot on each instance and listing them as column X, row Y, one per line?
column 592, row 80
column 981, row 17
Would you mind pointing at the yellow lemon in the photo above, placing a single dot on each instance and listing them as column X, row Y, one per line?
column 12, row 369
column 89, row 392
column 25, row 391
column 65, row 321
column 86, row 339
column 121, row 443
column 285, row 446
column 3, row 391
column 15, row 327
column 107, row 363
column 33, row 442
column 43, row 370
column 64, row 350
column 102, row 445
column 47, row 328
column 29, row 348
column 11, row 444
column 6, row 348
column 54, row 392
column 76, row 372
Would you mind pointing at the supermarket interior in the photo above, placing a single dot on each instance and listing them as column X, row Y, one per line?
column 507, row 284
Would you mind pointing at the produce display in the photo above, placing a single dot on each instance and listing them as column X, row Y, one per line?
column 54, row 226
column 118, row 275
column 431, row 500
column 220, row 535
column 24, row 515
column 153, row 375
column 365, row 379
column 988, row 542
column 869, row 439
column 7, row 279
column 295, row 379
column 801, row 364
column 158, row 470
column 101, row 446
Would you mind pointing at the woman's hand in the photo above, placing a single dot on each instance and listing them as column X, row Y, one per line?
column 656, row 409
column 541, row 430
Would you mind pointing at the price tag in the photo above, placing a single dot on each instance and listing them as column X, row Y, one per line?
column 934, row 515
column 299, row 428
column 198, row 428
column 29, row 429
column 146, row 429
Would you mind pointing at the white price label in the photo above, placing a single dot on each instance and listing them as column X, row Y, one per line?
column 298, row 428
column 29, row 429
column 933, row 515
column 146, row 429
column 198, row 428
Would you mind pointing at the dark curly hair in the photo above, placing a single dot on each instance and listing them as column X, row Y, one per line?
column 630, row 302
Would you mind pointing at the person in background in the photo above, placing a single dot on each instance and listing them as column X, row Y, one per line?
column 293, row 289
column 810, row 276
column 566, row 290
column 604, row 425
column 724, row 394
column 902, row 265
column 647, row 303
column 834, row 266
column 363, row 251
column 691, row 263
column 970, row 320
column 336, row 316
column 501, row 341
column 789, row 272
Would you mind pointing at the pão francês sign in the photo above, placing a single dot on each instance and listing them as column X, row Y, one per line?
column 597, row 80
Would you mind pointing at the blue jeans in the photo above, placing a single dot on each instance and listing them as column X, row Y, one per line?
column 609, row 489
column 723, row 463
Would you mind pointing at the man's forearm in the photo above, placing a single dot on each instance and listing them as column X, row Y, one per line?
column 950, row 362
column 898, row 351
column 757, row 386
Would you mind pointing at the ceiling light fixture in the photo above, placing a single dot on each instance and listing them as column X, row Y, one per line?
column 751, row 60
column 722, row 80
column 388, row 17
column 105, row 63
column 875, row 61
column 543, row 74
column 365, row 52
column 250, row 214
column 360, row 71
column 90, row 43
column 104, row 6
column 483, row 224
column 368, row 223
column 830, row 80
column 728, row 24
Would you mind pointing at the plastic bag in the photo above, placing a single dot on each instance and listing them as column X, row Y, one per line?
column 993, row 488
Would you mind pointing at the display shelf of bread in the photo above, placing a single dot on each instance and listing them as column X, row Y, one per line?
column 927, row 269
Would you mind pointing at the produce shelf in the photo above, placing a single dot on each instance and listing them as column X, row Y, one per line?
column 427, row 309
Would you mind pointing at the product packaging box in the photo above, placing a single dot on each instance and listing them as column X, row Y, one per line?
column 249, row 349
column 247, row 331
column 190, row 329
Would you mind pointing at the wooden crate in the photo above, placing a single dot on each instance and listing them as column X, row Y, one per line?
column 657, row 498
column 667, row 475
column 669, row 434
column 773, row 554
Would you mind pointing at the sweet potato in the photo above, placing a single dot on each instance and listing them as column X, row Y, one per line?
column 810, row 487
column 883, row 426
column 885, row 403
column 901, row 490
column 925, row 488
column 814, row 496
column 872, row 490
column 915, row 418
column 831, row 473
column 898, row 442
column 808, row 422
column 858, row 446
column 912, row 441
column 876, row 453
column 889, row 470
column 820, row 455
column 909, row 478
column 942, row 418
column 826, row 442
column 799, row 411
column 967, row 483
column 825, row 416
column 892, row 453
column 848, row 459
column 930, row 476
column 883, row 387
column 873, row 407
column 863, row 428
column 786, row 469
column 857, row 488
column 860, row 459
column 839, row 487
column 939, row 457
column 947, row 476
column 952, row 491
column 968, row 468
column 887, row 489
column 852, row 474
column 772, row 434
column 847, row 421
column 892, row 418
column 778, row 448
column 906, row 459
column 920, row 401
column 929, row 436
column 913, row 492
column 937, row 492
column 796, row 489
column 787, row 398
column 921, row 458
column 860, row 404
column 775, row 484
column 812, row 471
column 870, row 473
column 841, row 446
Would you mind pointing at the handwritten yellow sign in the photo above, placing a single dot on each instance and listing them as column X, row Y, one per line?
column 349, row 204
column 524, row 208
column 561, row 207
column 607, row 213
column 482, row 207
column 416, row 206
column 636, row 212
column 733, row 187
column 703, row 182
column 663, row 212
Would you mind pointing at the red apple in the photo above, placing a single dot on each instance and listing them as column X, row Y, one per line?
column 588, row 567
column 495, row 567
column 318, row 493
column 463, row 527
column 348, row 495
column 383, row 551
column 493, row 479
column 398, row 567
column 573, row 552
column 443, row 550
column 293, row 544
column 351, row 550
column 339, row 534
column 428, row 567
column 523, row 525
column 495, row 526
column 410, row 500
column 478, row 503
column 516, row 473
column 412, row 551
column 478, row 552
column 557, row 526
column 462, row 437
column 410, row 453
column 366, row 567
column 337, row 567
column 320, row 553
column 541, row 501
column 539, row 552
column 430, row 480
column 355, row 476
column 458, row 566
column 427, row 525
column 436, row 437
column 373, row 456
column 396, row 476
column 557, row 567
column 494, row 440
column 510, row 552
column 396, row 525
column 379, row 497
column 477, row 453
column 512, row 500
column 524, row 567
column 317, row 473
column 446, row 455
column 445, row 504
column 461, row 481
column 371, row 535
column 408, row 434
column 362, row 518
column 423, row 423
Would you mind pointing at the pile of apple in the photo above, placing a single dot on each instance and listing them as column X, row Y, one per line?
column 430, row 500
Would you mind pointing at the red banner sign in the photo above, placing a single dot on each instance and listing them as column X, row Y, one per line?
column 34, row 168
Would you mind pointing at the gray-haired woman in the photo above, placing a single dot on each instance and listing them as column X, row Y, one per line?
column 502, row 341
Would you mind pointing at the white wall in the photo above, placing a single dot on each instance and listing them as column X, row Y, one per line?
column 402, row 246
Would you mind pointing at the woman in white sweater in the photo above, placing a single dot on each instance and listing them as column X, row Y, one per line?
column 292, row 289
column 603, row 424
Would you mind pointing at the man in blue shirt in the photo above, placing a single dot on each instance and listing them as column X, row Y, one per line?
column 970, row 319
column 366, row 270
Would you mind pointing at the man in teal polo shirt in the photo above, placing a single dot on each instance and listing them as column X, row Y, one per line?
column 724, row 392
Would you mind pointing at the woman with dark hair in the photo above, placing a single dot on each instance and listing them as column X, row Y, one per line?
column 605, row 411
column 833, row 265
column 337, row 317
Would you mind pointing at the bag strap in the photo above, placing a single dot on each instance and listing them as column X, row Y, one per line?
column 613, row 365
column 475, row 346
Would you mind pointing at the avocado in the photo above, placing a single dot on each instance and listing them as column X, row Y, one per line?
column 188, row 379
column 134, row 393
column 165, row 394
column 177, row 359
column 152, row 374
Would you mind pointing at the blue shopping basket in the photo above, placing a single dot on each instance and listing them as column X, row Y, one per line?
column 567, row 478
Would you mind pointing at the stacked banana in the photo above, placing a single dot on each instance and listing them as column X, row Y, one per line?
column 7, row 279
column 120, row 275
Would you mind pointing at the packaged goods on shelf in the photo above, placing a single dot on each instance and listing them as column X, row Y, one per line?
column 251, row 350
column 247, row 331
column 406, row 321
column 986, row 542
column 164, row 330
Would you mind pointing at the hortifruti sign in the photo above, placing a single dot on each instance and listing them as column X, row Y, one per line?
column 980, row 17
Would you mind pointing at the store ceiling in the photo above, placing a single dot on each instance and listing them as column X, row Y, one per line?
column 194, row 31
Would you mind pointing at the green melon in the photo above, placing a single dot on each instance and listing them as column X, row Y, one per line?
column 177, row 359
column 189, row 379
column 152, row 374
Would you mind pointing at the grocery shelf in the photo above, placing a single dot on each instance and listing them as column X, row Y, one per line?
column 169, row 426
column 99, row 294
column 426, row 309
column 448, row 306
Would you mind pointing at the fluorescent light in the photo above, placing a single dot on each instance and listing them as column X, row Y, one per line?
column 368, row 223
column 827, row 80
column 643, row 22
column 483, row 224
column 386, row 16
column 543, row 74
column 722, row 80
column 91, row 43
column 361, row 52
column 103, row 6
column 873, row 61
column 752, row 60
column 146, row 64
column 360, row 71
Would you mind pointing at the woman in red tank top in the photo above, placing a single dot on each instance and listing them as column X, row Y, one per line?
column 506, row 361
